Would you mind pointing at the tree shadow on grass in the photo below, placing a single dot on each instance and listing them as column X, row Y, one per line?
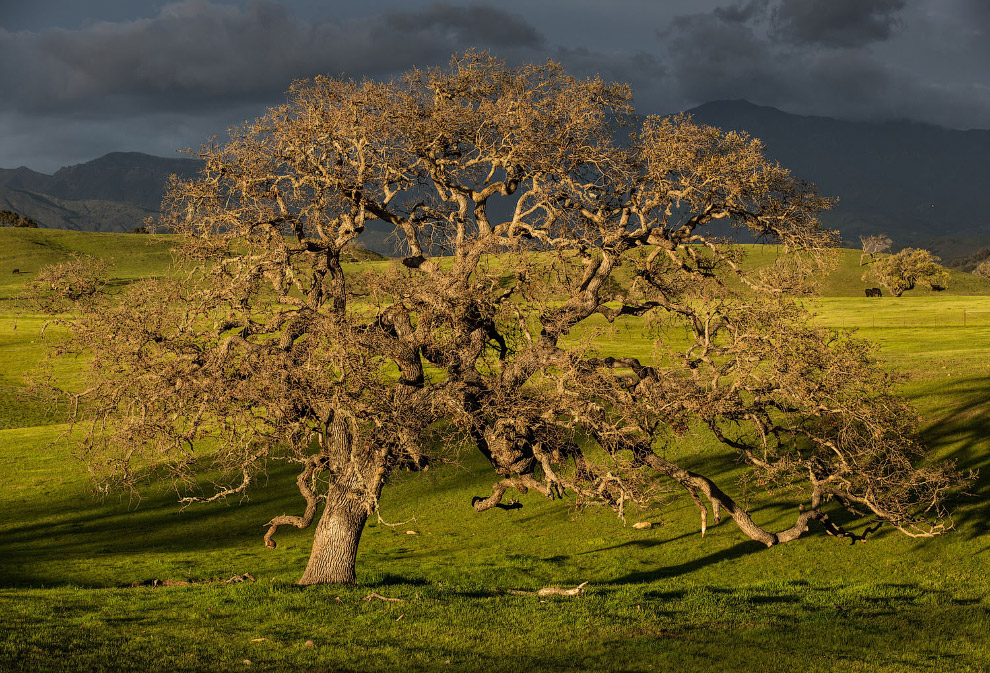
column 962, row 433
column 676, row 570
column 75, row 529
column 391, row 580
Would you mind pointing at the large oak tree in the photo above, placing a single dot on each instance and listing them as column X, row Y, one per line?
column 530, row 208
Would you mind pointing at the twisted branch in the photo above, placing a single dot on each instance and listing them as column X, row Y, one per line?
column 312, row 500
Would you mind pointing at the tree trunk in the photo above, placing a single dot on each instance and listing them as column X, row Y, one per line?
column 335, row 543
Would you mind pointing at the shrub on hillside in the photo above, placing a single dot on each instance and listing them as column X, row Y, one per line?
column 9, row 218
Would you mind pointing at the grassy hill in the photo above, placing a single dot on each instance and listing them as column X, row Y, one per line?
column 658, row 599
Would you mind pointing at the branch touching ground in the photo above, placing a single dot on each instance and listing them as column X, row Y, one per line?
column 495, row 499
column 168, row 582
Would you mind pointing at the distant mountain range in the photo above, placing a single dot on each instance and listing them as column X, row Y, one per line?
column 85, row 214
column 113, row 193
column 130, row 177
column 920, row 184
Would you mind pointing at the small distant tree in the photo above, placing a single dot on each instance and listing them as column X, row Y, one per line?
column 524, row 226
column 874, row 245
column 983, row 270
column 908, row 268
column 9, row 218
column 61, row 287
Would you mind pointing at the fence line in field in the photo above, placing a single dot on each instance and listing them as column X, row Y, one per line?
column 906, row 319
column 965, row 311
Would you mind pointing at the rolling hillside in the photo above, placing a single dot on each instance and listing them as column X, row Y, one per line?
column 88, row 215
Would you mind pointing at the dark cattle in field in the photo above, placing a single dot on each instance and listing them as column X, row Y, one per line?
column 16, row 271
column 873, row 292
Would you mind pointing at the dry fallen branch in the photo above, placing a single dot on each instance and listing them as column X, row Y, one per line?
column 168, row 582
column 377, row 595
column 550, row 591
column 246, row 577
column 392, row 525
column 557, row 591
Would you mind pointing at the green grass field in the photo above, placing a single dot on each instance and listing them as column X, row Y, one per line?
column 660, row 599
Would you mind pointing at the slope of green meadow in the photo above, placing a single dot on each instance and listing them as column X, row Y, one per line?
column 658, row 599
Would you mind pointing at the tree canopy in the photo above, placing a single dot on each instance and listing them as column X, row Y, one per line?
column 530, row 208
column 874, row 245
column 906, row 269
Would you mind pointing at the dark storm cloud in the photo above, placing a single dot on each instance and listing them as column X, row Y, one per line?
column 197, row 67
column 838, row 59
column 474, row 25
column 80, row 79
column 741, row 12
column 724, row 54
column 199, row 52
column 836, row 23
column 976, row 13
column 644, row 71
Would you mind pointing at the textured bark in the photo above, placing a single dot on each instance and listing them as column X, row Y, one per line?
column 335, row 543
column 720, row 501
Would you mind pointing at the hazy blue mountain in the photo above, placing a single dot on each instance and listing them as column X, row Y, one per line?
column 115, row 192
column 916, row 182
column 120, row 176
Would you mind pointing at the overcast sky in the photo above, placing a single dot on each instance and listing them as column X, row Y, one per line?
column 81, row 78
